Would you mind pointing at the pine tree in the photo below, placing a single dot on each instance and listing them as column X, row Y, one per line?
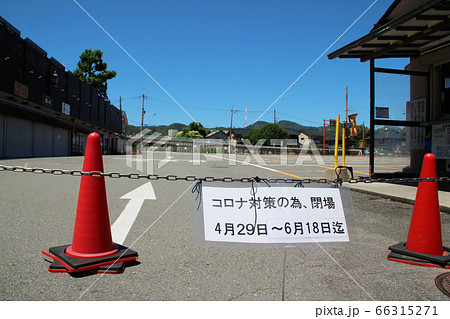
column 92, row 70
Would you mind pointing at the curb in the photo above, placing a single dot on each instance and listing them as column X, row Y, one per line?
column 443, row 209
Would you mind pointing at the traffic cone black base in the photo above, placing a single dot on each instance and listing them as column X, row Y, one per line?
column 116, row 268
column 423, row 246
column 401, row 254
column 75, row 264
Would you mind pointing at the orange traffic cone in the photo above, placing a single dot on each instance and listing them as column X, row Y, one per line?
column 424, row 243
column 92, row 247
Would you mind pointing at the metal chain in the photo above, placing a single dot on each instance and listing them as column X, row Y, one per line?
column 192, row 178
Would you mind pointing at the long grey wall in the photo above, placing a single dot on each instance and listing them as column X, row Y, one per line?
column 2, row 133
column 24, row 138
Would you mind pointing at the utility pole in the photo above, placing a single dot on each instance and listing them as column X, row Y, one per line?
column 324, row 138
column 120, row 105
column 346, row 104
column 346, row 121
column 232, row 112
column 143, row 113
column 363, row 141
column 274, row 128
column 245, row 124
column 231, row 125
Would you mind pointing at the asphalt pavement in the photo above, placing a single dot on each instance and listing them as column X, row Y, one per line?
column 38, row 212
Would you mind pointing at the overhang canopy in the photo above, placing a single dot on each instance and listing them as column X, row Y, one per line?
column 419, row 31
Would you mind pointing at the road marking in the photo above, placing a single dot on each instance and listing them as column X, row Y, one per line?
column 281, row 172
column 291, row 175
column 123, row 223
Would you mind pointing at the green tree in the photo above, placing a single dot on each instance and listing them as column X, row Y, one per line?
column 193, row 134
column 359, row 137
column 267, row 132
column 92, row 70
column 194, row 126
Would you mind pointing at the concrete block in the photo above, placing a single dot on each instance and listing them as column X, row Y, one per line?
column 344, row 173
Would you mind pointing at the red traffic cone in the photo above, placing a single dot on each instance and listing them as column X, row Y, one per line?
column 92, row 247
column 425, row 229
column 92, row 232
column 424, row 244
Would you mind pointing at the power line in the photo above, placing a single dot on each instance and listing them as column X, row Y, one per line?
column 215, row 109
column 132, row 58
column 315, row 61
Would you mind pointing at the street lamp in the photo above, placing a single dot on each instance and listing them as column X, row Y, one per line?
column 145, row 113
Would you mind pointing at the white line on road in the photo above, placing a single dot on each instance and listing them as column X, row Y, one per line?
column 123, row 223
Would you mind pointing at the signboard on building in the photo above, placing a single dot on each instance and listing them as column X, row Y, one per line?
column 47, row 100
column 65, row 108
column 382, row 112
column 21, row 90
column 440, row 146
column 415, row 136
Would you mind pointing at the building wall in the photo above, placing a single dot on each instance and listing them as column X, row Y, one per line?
column 44, row 109
column 2, row 135
column 42, row 133
column 303, row 138
column 61, row 142
column 433, row 63
column 19, row 137
column 24, row 138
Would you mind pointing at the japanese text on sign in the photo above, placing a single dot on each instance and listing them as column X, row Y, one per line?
column 273, row 215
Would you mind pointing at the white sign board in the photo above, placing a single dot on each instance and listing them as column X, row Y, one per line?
column 415, row 136
column 441, row 141
column 273, row 215
column 65, row 108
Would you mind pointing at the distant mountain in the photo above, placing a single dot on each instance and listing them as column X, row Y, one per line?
column 257, row 124
column 286, row 124
column 163, row 129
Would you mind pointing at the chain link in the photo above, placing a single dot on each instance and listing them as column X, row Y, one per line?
column 191, row 178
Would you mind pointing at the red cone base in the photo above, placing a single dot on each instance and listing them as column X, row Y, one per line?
column 424, row 244
column 79, row 265
column 116, row 268
column 70, row 252
column 401, row 254
column 92, row 245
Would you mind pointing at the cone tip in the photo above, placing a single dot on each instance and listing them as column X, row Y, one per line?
column 93, row 135
column 429, row 156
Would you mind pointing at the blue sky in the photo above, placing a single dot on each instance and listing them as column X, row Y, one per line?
column 212, row 55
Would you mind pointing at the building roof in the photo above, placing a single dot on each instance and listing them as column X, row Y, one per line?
column 240, row 131
column 291, row 131
column 311, row 133
column 216, row 132
column 409, row 28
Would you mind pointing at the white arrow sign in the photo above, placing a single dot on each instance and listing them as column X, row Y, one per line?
column 123, row 223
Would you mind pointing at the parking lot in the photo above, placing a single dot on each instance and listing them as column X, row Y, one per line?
column 38, row 212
